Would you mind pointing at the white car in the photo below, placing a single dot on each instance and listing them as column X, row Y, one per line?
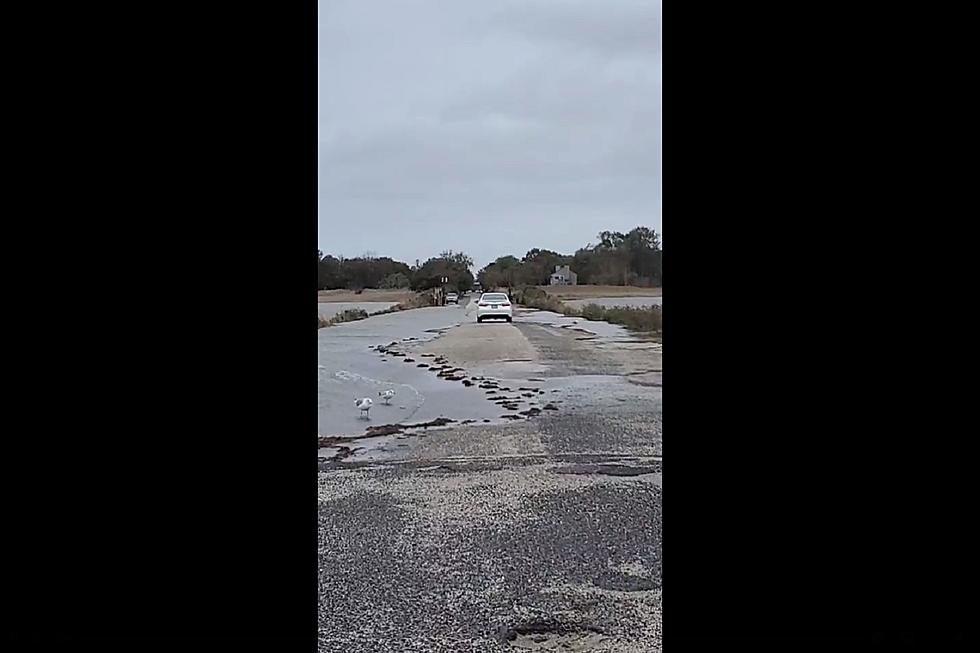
column 493, row 304
column 452, row 298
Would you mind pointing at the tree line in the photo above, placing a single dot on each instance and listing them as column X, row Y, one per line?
column 369, row 271
column 633, row 258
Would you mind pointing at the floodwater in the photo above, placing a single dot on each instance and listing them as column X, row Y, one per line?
column 611, row 302
column 348, row 368
column 329, row 309
column 612, row 332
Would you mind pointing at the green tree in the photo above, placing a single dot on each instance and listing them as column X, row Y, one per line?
column 458, row 259
column 396, row 280
column 330, row 273
column 504, row 272
column 643, row 245
column 452, row 266
column 488, row 277
column 357, row 273
column 538, row 265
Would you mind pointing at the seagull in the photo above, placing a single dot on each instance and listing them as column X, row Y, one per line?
column 387, row 395
column 365, row 405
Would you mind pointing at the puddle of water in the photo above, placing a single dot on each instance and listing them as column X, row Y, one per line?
column 348, row 368
column 597, row 328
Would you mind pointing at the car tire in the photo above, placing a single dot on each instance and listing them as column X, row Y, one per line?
column 509, row 319
column 479, row 319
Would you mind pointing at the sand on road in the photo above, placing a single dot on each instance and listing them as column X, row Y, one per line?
column 482, row 343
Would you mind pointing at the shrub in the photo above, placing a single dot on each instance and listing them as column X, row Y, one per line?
column 533, row 297
column 593, row 312
column 648, row 319
column 421, row 300
column 396, row 280
column 350, row 315
column 638, row 319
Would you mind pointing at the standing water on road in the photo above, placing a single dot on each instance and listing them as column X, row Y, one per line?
column 441, row 364
column 349, row 368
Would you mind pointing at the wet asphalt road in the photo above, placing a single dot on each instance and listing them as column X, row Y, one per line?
column 542, row 534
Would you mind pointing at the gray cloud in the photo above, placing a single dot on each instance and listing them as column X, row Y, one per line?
column 486, row 127
column 610, row 28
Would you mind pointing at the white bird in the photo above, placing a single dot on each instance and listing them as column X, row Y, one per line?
column 364, row 404
column 387, row 395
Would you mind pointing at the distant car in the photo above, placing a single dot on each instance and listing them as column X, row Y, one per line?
column 493, row 304
column 452, row 298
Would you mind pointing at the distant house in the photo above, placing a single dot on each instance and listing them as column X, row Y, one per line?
column 563, row 276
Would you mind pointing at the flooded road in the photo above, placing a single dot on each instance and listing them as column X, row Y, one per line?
column 537, row 511
column 348, row 368
column 442, row 365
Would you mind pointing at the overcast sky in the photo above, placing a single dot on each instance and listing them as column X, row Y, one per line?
column 489, row 127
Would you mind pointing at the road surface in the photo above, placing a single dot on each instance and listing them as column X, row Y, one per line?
column 534, row 531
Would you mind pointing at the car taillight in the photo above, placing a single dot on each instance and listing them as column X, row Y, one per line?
column 505, row 304
column 483, row 304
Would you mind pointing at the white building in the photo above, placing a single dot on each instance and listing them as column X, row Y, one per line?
column 563, row 276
